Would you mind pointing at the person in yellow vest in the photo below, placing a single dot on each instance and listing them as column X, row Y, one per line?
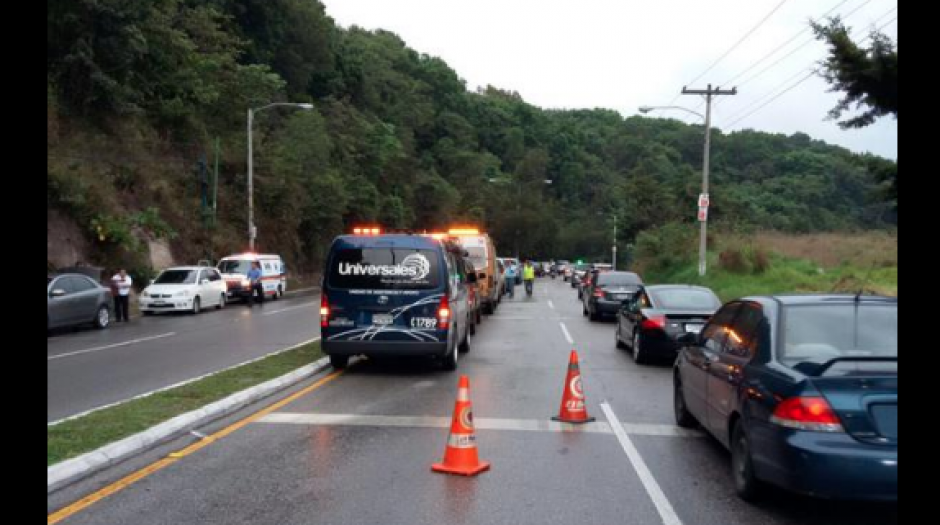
column 528, row 277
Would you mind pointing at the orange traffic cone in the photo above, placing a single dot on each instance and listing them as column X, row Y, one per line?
column 573, row 409
column 460, row 456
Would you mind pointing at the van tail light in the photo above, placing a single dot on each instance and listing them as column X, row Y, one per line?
column 655, row 322
column 807, row 413
column 324, row 311
column 443, row 314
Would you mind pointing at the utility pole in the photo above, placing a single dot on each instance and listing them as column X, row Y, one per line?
column 703, row 198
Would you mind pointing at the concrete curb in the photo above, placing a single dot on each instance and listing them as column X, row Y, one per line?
column 68, row 471
column 302, row 290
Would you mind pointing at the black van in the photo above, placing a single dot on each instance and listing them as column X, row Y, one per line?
column 394, row 295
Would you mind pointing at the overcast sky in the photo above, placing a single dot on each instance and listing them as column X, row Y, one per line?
column 622, row 54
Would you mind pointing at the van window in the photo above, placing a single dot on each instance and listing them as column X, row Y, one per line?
column 385, row 268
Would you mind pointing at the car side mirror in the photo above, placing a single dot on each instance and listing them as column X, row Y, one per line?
column 688, row 339
column 58, row 292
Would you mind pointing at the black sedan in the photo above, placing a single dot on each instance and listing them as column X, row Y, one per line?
column 803, row 389
column 606, row 291
column 652, row 319
column 75, row 299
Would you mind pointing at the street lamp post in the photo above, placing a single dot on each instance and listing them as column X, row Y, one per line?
column 252, row 230
column 704, row 223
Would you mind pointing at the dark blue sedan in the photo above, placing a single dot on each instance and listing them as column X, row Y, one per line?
column 803, row 389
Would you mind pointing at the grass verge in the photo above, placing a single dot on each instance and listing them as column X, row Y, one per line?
column 78, row 436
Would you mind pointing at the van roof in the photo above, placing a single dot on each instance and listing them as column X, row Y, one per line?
column 252, row 256
column 391, row 240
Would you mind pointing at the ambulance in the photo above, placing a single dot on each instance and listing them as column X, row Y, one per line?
column 234, row 270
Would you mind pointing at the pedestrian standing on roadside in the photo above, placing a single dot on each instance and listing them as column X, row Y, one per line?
column 254, row 278
column 121, row 289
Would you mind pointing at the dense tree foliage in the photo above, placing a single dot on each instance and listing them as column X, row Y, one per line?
column 140, row 89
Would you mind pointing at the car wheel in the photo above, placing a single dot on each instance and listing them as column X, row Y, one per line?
column 684, row 418
column 471, row 324
column 617, row 336
column 746, row 485
column 196, row 305
column 103, row 317
column 339, row 362
column 639, row 355
column 449, row 361
column 221, row 304
column 594, row 316
column 479, row 316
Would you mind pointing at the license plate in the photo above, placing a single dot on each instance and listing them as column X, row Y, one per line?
column 694, row 328
column 382, row 319
column 158, row 303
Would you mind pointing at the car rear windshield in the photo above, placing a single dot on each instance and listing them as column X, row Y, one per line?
column 477, row 256
column 680, row 299
column 384, row 268
column 177, row 277
column 617, row 279
column 235, row 266
column 817, row 333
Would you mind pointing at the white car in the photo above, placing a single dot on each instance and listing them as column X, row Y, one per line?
column 184, row 288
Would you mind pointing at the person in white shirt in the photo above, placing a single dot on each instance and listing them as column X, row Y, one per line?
column 121, row 289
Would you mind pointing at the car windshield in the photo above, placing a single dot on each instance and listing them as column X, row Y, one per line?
column 685, row 299
column 177, row 277
column 235, row 266
column 817, row 333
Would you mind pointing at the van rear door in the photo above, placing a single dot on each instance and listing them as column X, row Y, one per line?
column 384, row 293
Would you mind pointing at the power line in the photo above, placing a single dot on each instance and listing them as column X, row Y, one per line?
column 794, row 51
column 804, row 79
column 794, row 37
column 801, row 46
column 733, row 47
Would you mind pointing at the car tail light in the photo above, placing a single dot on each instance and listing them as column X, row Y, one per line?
column 443, row 314
column 807, row 413
column 598, row 292
column 324, row 311
column 656, row 322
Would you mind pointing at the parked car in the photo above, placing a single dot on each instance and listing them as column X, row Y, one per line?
column 803, row 389
column 184, row 288
column 74, row 299
column 652, row 319
column 589, row 276
column 577, row 273
column 606, row 292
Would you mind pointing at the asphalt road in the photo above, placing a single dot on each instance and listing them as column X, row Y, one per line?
column 90, row 368
column 357, row 449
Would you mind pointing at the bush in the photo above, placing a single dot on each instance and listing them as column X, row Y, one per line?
column 666, row 247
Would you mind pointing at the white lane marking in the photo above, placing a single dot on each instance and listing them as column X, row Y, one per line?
column 481, row 423
column 666, row 512
column 567, row 335
column 305, row 305
column 181, row 383
column 551, row 305
column 115, row 345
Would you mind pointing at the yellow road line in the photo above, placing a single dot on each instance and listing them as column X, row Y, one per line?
column 130, row 479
